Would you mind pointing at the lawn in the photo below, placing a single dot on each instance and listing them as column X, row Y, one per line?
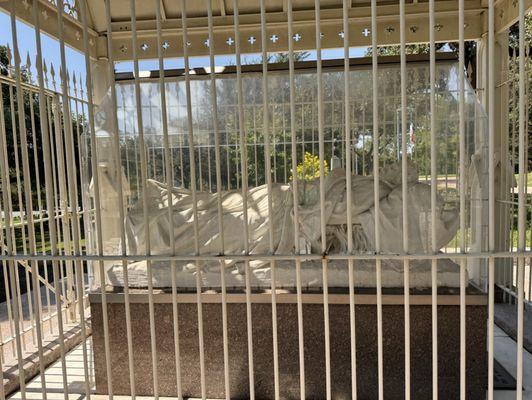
column 19, row 240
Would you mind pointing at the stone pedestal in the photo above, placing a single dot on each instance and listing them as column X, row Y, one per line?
column 366, row 347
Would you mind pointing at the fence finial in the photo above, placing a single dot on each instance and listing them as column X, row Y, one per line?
column 62, row 84
column 80, row 85
column 52, row 74
column 8, row 53
column 67, row 83
column 74, row 82
column 45, row 72
column 28, row 66
column 18, row 61
column 9, row 60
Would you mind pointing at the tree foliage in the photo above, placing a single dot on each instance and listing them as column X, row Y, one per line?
column 34, row 139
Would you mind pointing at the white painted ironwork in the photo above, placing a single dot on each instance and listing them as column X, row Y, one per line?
column 261, row 126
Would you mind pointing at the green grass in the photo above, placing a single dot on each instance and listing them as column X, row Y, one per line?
column 453, row 176
column 455, row 242
column 528, row 179
column 47, row 245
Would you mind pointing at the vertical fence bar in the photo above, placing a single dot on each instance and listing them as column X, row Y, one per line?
column 214, row 106
column 8, row 225
column 2, row 358
column 3, row 224
column 192, row 159
column 82, row 159
column 166, row 143
column 36, row 304
column 45, row 120
column 268, row 171
column 462, row 177
column 376, row 195
column 244, row 160
column 349, row 198
column 295, row 191
column 404, row 193
column 168, row 169
column 491, row 199
column 22, row 212
column 59, row 121
column 523, row 157
column 433, row 199
column 39, row 194
column 144, row 177
column 321, row 151
column 57, row 215
column 4, row 170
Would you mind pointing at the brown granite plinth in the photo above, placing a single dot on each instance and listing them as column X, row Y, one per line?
column 366, row 350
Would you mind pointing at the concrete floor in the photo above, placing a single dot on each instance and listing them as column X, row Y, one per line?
column 505, row 353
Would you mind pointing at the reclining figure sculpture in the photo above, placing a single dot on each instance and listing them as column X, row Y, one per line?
column 281, row 219
column 260, row 220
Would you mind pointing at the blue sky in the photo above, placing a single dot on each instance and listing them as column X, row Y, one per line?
column 76, row 61
column 50, row 47
column 230, row 59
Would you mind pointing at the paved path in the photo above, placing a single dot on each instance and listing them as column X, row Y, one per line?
column 505, row 353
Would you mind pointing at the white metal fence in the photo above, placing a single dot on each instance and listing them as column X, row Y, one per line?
column 78, row 163
column 36, row 136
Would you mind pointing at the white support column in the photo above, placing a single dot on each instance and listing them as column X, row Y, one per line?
column 504, row 178
column 479, row 179
column 107, row 162
column 99, row 70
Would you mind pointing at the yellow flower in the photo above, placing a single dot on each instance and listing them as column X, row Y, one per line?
column 309, row 169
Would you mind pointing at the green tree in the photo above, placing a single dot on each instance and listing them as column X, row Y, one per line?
column 34, row 139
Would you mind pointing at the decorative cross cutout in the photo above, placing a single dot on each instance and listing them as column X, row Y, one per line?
column 366, row 32
column 390, row 30
column 207, row 42
column 252, row 39
column 342, row 34
column 144, row 46
column 274, row 38
column 230, row 41
column 165, row 45
column 297, row 37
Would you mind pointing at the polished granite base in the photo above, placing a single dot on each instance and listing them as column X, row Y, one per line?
column 288, row 346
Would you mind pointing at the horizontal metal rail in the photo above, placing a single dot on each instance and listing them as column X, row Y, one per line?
column 266, row 257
